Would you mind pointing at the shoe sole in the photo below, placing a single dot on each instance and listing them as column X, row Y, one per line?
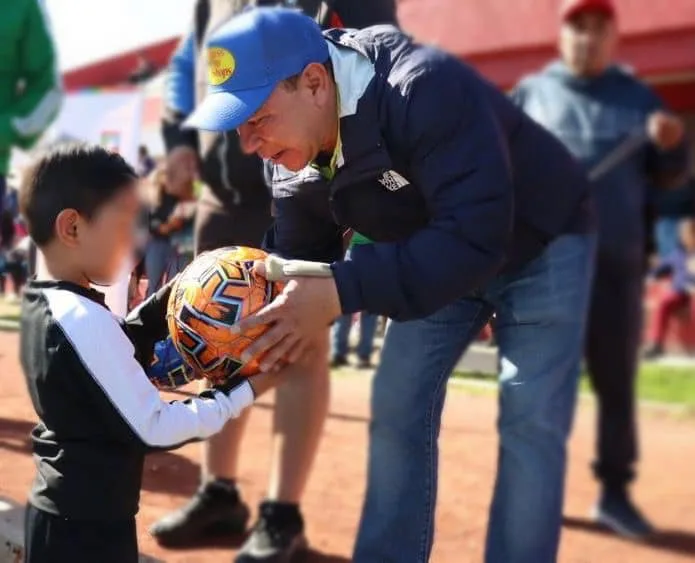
column 211, row 531
column 614, row 525
column 297, row 553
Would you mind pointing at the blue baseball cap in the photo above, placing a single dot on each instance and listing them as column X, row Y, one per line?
column 248, row 57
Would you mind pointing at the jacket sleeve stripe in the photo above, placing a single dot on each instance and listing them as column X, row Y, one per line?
column 108, row 358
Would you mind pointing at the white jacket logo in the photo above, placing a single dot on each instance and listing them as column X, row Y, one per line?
column 392, row 180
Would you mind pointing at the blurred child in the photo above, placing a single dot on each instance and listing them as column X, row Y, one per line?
column 680, row 264
column 13, row 258
column 159, row 206
column 84, row 367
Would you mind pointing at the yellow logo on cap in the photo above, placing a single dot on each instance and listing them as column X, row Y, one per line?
column 221, row 65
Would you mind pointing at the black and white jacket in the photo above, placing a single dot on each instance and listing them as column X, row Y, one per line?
column 98, row 412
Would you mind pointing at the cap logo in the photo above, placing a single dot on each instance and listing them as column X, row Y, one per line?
column 221, row 65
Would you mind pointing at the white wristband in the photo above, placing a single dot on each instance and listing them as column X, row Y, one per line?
column 278, row 269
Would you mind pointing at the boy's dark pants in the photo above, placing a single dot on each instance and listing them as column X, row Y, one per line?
column 52, row 539
column 612, row 346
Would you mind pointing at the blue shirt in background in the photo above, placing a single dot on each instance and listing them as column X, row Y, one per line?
column 592, row 117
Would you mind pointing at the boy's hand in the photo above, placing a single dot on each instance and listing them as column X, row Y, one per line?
column 168, row 370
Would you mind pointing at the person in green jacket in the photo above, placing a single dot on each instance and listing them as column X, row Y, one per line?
column 341, row 328
column 30, row 88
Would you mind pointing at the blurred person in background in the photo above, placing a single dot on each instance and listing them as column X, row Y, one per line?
column 158, row 250
column 593, row 105
column 669, row 208
column 179, row 226
column 13, row 256
column 680, row 265
column 146, row 163
column 234, row 209
column 30, row 90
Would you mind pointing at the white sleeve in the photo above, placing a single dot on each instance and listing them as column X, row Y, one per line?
column 108, row 358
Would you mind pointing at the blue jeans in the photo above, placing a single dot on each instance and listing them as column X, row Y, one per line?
column 541, row 316
column 341, row 332
column 666, row 235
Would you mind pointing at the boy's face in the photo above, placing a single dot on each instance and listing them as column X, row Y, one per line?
column 106, row 241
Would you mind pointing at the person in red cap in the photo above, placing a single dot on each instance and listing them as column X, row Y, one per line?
column 620, row 132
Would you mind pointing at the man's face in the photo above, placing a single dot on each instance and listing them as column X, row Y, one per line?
column 587, row 42
column 296, row 122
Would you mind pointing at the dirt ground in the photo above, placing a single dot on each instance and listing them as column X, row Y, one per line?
column 666, row 489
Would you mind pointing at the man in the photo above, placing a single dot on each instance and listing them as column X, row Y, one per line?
column 235, row 209
column 30, row 90
column 593, row 106
column 472, row 207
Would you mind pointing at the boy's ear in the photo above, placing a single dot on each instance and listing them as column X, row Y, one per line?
column 67, row 226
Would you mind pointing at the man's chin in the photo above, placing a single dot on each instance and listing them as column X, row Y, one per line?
column 293, row 163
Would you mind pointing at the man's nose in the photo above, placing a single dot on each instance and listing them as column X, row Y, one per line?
column 250, row 142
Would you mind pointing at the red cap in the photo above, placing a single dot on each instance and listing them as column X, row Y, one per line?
column 571, row 8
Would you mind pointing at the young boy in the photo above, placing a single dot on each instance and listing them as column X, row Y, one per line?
column 98, row 412
column 680, row 264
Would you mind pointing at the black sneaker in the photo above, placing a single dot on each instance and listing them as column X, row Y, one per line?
column 215, row 510
column 653, row 352
column 364, row 363
column 616, row 511
column 338, row 361
column 277, row 537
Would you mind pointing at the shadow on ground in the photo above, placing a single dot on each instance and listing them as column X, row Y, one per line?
column 165, row 472
column 674, row 541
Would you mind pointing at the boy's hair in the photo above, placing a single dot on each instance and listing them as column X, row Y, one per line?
column 75, row 176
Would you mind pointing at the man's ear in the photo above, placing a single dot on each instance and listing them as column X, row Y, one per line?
column 67, row 227
column 316, row 77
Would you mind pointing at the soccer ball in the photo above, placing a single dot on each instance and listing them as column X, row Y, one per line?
column 214, row 292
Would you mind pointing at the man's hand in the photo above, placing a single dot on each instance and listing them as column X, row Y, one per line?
column 305, row 307
column 182, row 169
column 666, row 131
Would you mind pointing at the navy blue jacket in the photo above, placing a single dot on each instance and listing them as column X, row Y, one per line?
column 592, row 117
column 452, row 181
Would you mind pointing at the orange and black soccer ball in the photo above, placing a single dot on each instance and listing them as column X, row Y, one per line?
column 214, row 292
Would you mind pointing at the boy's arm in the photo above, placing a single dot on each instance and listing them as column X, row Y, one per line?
column 130, row 406
column 36, row 106
column 146, row 324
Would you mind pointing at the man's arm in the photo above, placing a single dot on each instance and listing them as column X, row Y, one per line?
column 40, row 91
column 666, row 168
column 179, row 96
column 303, row 228
column 460, row 163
